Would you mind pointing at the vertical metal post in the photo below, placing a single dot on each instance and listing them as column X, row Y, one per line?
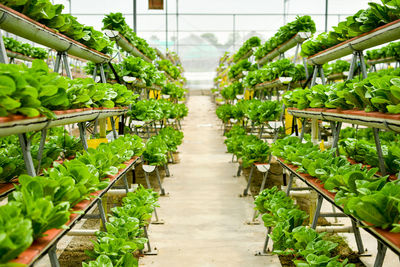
column 380, row 256
column 58, row 62
column 134, row 16
column 305, row 67
column 115, row 135
column 321, row 72
column 82, row 132
column 379, row 151
column 296, row 53
column 125, row 183
column 41, row 146
column 166, row 25
column 314, row 77
column 357, row 236
column 95, row 72
column 317, row 211
column 326, row 15
column 352, row 66
column 266, row 240
column 26, row 151
column 159, row 182
column 66, row 65
column 102, row 75
column 234, row 32
column 246, row 190
column 289, row 186
column 53, row 256
column 3, row 53
column 177, row 27
column 102, row 214
column 146, row 176
column 362, row 64
column 166, row 170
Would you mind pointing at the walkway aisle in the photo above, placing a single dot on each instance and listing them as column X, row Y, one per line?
column 204, row 216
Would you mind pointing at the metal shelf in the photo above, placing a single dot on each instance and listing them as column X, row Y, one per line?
column 391, row 240
column 23, row 26
column 292, row 42
column 280, row 82
column 42, row 245
column 382, row 60
column 370, row 119
column 384, row 34
column 246, row 56
column 20, row 56
column 126, row 45
column 20, row 124
column 160, row 54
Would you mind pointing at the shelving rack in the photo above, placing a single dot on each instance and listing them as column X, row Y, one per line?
column 374, row 120
column 48, row 243
column 296, row 40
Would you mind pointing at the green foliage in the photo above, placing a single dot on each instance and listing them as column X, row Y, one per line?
column 246, row 47
column 231, row 91
column 124, row 234
column 339, row 66
column 169, row 68
column 290, row 237
column 37, row 90
column 378, row 92
column 361, row 22
column 301, row 24
column 173, row 138
column 271, row 71
column 116, row 21
column 362, row 195
column 256, row 110
column 15, row 232
column 390, row 50
column 238, row 68
column 50, row 15
column 141, row 69
column 58, row 143
column 156, row 151
column 24, row 48
column 174, row 90
column 155, row 110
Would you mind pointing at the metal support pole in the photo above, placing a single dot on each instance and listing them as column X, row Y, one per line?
column 234, row 32
column 357, row 236
column 296, row 53
column 289, row 186
column 26, row 151
column 305, row 67
column 125, row 183
column 303, row 128
column 166, row 170
column 336, row 133
column 41, row 146
column 95, row 72
column 159, row 182
column 58, row 62
column 314, row 76
column 352, row 66
column 265, row 175
column 102, row 75
column 134, row 16
column 3, row 53
column 380, row 256
column 82, row 132
column 177, row 27
column 66, row 64
column 379, row 152
column 146, row 176
column 102, row 214
column 166, row 25
column 317, row 211
column 269, row 230
column 115, row 135
column 326, row 15
column 321, row 73
column 246, row 190
column 239, row 170
column 149, row 251
column 53, row 256
column 362, row 64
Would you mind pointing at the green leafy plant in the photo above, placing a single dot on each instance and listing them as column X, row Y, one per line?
column 248, row 45
column 116, row 21
column 24, row 48
column 300, row 24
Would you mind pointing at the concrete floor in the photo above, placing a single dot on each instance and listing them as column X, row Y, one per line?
column 204, row 215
